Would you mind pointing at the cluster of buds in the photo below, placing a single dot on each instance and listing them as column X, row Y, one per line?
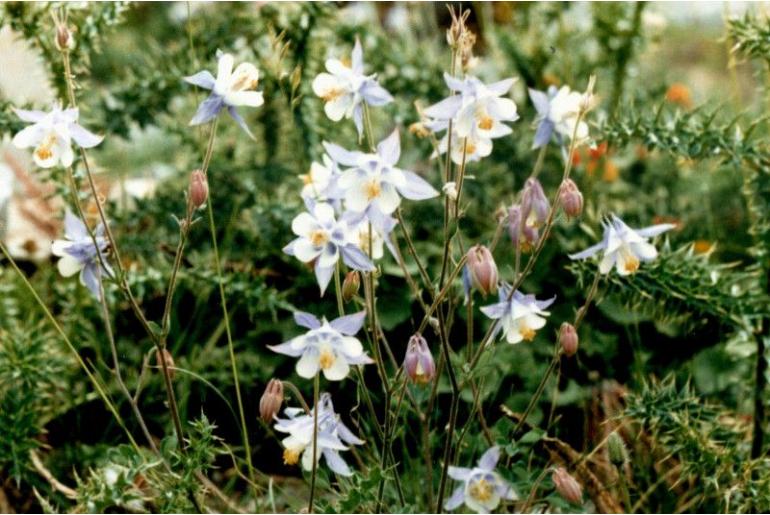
column 567, row 486
column 199, row 189
column 571, row 199
column 271, row 401
column 460, row 38
column 164, row 356
column 482, row 269
column 568, row 339
column 351, row 285
column 525, row 219
column 418, row 362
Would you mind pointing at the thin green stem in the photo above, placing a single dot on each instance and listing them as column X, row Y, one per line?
column 338, row 290
column 316, row 388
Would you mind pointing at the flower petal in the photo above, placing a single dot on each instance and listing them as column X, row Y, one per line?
column 338, row 371
column 306, row 320
column 83, row 137
column 416, row 188
column 489, row 459
column 389, row 149
column 29, row 136
column 202, row 79
column 307, row 366
column 349, row 325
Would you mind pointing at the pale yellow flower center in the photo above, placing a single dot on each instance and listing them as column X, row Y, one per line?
column 45, row 149
column 372, row 189
column 485, row 123
column 326, row 359
column 526, row 332
column 470, row 148
column 290, row 456
column 319, row 237
column 481, row 490
column 332, row 94
column 346, row 62
column 630, row 262
column 244, row 82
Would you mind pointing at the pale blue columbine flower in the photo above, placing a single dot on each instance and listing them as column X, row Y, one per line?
column 478, row 109
column 373, row 184
column 557, row 113
column 332, row 437
column 520, row 315
column 229, row 90
column 329, row 347
column 320, row 182
column 78, row 254
column 345, row 88
column 470, row 149
column 623, row 247
column 322, row 239
column 482, row 488
column 51, row 134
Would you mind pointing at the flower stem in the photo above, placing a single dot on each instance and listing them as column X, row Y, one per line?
column 338, row 290
column 316, row 388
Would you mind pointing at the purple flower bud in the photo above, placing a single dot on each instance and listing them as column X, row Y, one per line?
column 534, row 203
column 571, row 199
column 567, row 486
column 568, row 339
column 418, row 362
column 199, row 189
column 519, row 230
column 482, row 269
column 271, row 400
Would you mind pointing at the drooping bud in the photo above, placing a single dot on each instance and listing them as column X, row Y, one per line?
column 568, row 339
column 64, row 41
column 567, row 486
column 534, row 203
column 616, row 448
column 169, row 362
column 271, row 400
column 571, row 199
column 482, row 269
column 520, row 232
column 418, row 362
column 350, row 285
column 199, row 189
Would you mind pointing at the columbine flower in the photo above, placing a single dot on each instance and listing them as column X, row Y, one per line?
column 51, row 134
column 332, row 437
column 361, row 239
column 78, row 253
column 477, row 110
column 418, row 361
column 374, row 185
column 328, row 346
column 323, row 239
column 320, row 183
column 520, row 316
column 229, row 90
column 482, row 488
column 624, row 247
column 471, row 149
column 345, row 88
column 557, row 113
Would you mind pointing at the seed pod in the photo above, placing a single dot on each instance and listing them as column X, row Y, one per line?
column 418, row 362
column 571, row 199
column 567, row 486
column 568, row 339
column 199, row 189
column 64, row 39
column 482, row 269
column 616, row 448
column 169, row 362
column 271, row 400
column 351, row 285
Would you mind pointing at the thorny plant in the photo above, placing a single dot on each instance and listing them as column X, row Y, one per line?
column 357, row 199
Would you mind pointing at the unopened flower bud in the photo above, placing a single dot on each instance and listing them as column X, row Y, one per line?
column 567, row 486
column 568, row 339
column 534, row 203
column 64, row 39
column 571, row 199
column 418, row 362
column 482, row 269
column 199, row 189
column 350, row 285
column 271, row 400
column 170, row 367
column 521, row 232
column 616, row 448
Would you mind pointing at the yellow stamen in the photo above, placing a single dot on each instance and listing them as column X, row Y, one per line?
column 481, row 490
column 346, row 62
column 44, row 150
column 319, row 237
column 372, row 189
column 631, row 264
column 470, row 148
column 526, row 332
column 327, row 359
column 290, row 456
column 485, row 123
column 332, row 94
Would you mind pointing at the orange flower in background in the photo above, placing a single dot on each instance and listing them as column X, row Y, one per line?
column 611, row 171
column 678, row 93
column 702, row 246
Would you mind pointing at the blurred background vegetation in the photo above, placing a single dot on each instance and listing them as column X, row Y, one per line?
column 679, row 135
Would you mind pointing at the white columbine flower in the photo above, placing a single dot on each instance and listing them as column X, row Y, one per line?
column 520, row 317
column 623, row 247
column 557, row 113
column 320, row 182
column 51, row 134
column 472, row 148
column 332, row 437
column 229, row 90
column 345, row 88
column 373, row 185
column 329, row 347
column 360, row 237
column 478, row 109
column 322, row 239
column 482, row 488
